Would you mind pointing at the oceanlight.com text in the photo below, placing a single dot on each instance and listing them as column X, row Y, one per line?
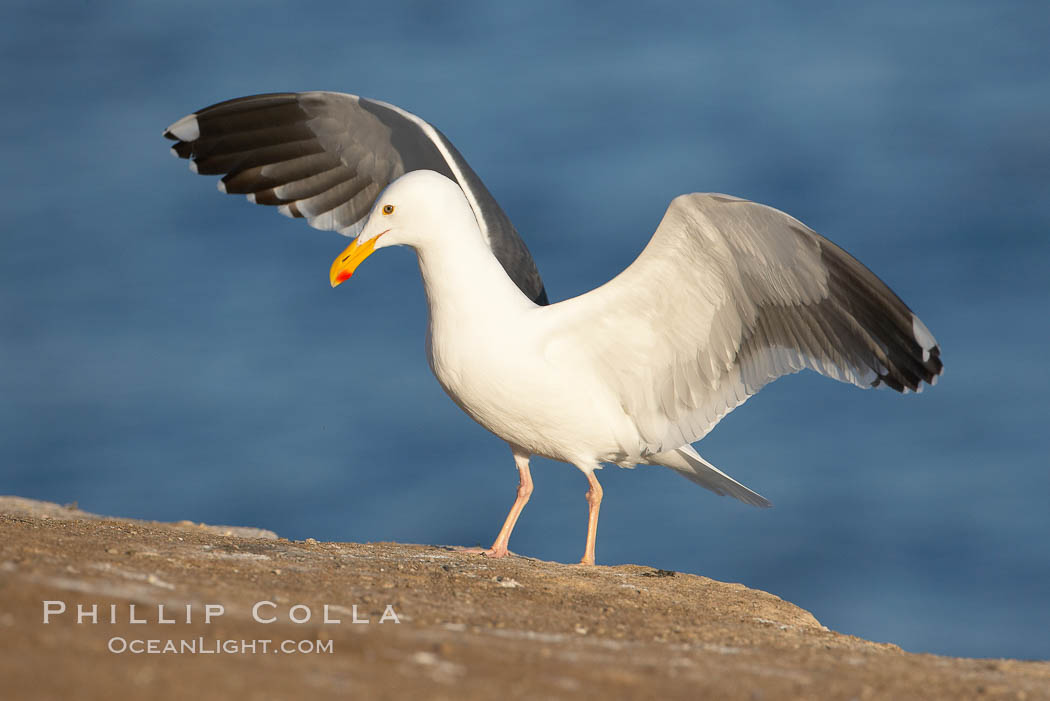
column 216, row 646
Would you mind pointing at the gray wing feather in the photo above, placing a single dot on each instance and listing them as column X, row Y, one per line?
column 326, row 156
column 730, row 295
column 808, row 304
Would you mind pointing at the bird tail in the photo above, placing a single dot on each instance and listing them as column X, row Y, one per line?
column 688, row 463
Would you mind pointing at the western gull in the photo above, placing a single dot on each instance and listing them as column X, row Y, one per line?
column 727, row 296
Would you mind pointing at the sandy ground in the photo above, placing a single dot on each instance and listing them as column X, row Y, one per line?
column 466, row 627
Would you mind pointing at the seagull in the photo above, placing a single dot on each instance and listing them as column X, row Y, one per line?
column 727, row 296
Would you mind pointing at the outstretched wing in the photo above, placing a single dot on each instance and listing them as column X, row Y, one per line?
column 326, row 156
column 730, row 295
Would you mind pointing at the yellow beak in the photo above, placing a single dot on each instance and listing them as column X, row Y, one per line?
column 345, row 265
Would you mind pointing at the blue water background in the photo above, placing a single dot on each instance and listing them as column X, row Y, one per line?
column 167, row 352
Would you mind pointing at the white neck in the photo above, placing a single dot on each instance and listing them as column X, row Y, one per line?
column 464, row 282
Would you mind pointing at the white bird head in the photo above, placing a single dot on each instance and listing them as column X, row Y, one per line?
column 419, row 209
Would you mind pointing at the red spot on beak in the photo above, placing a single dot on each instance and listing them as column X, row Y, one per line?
column 343, row 276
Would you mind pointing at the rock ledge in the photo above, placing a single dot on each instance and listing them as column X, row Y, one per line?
column 440, row 624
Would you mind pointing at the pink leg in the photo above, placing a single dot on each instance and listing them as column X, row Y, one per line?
column 594, row 502
column 499, row 548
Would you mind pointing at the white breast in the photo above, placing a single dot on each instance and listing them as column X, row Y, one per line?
column 501, row 371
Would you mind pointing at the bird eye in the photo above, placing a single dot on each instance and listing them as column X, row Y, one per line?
column 388, row 209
